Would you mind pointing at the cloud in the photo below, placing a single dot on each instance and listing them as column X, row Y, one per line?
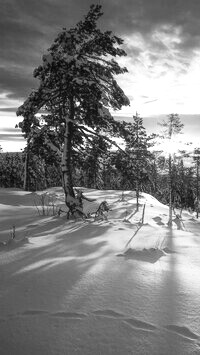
column 16, row 83
column 11, row 130
column 11, row 137
column 148, row 102
column 161, row 37
column 8, row 109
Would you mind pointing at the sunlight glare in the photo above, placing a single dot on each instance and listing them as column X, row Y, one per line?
column 170, row 146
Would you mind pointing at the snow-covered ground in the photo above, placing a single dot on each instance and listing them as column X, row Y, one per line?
column 88, row 287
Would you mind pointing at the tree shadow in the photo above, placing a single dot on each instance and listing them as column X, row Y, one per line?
column 158, row 220
column 79, row 244
column 16, row 197
column 50, row 267
column 146, row 255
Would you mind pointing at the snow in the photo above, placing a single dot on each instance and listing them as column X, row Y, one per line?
column 76, row 287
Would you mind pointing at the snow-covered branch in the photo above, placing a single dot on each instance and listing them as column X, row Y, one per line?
column 101, row 136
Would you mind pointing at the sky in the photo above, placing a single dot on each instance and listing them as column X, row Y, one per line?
column 161, row 38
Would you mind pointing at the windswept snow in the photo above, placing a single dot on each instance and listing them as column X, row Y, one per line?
column 98, row 287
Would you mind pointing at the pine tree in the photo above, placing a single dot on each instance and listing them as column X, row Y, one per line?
column 11, row 167
column 172, row 127
column 92, row 161
column 123, row 175
column 77, row 88
column 196, row 158
column 137, row 144
column 190, row 188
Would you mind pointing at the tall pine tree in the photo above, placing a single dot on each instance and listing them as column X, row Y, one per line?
column 196, row 158
column 171, row 127
column 137, row 144
column 77, row 87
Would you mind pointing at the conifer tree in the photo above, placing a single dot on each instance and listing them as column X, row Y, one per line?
column 196, row 158
column 137, row 144
column 77, row 87
column 11, row 167
column 171, row 127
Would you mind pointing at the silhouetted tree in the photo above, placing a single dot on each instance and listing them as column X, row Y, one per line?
column 77, row 88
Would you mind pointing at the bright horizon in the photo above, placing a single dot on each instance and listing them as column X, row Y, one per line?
column 11, row 139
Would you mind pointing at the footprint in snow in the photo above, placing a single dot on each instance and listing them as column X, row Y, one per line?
column 33, row 312
column 136, row 323
column 108, row 313
column 168, row 251
column 183, row 331
column 69, row 315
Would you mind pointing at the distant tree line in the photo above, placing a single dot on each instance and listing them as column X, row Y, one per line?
column 41, row 175
column 137, row 167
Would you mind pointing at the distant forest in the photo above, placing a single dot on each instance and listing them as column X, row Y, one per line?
column 138, row 167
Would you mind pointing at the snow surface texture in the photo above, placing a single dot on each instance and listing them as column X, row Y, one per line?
column 88, row 287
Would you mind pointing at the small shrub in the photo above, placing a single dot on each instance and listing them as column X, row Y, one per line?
column 45, row 204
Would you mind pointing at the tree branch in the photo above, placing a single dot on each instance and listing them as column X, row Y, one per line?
column 104, row 137
column 53, row 147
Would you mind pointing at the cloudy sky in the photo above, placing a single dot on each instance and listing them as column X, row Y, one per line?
column 161, row 38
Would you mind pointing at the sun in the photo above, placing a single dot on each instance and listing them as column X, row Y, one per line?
column 170, row 146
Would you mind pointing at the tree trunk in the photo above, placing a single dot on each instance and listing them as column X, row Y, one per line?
column 197, row 188
column 137, row 166
column 67, row 183
column 137, row 195
column 26, row 168
column 170, row 191
column 44, row 173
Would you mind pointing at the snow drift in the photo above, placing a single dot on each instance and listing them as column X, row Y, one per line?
column 90, row 287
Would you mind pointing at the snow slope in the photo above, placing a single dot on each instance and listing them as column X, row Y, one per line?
column 90, row 287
